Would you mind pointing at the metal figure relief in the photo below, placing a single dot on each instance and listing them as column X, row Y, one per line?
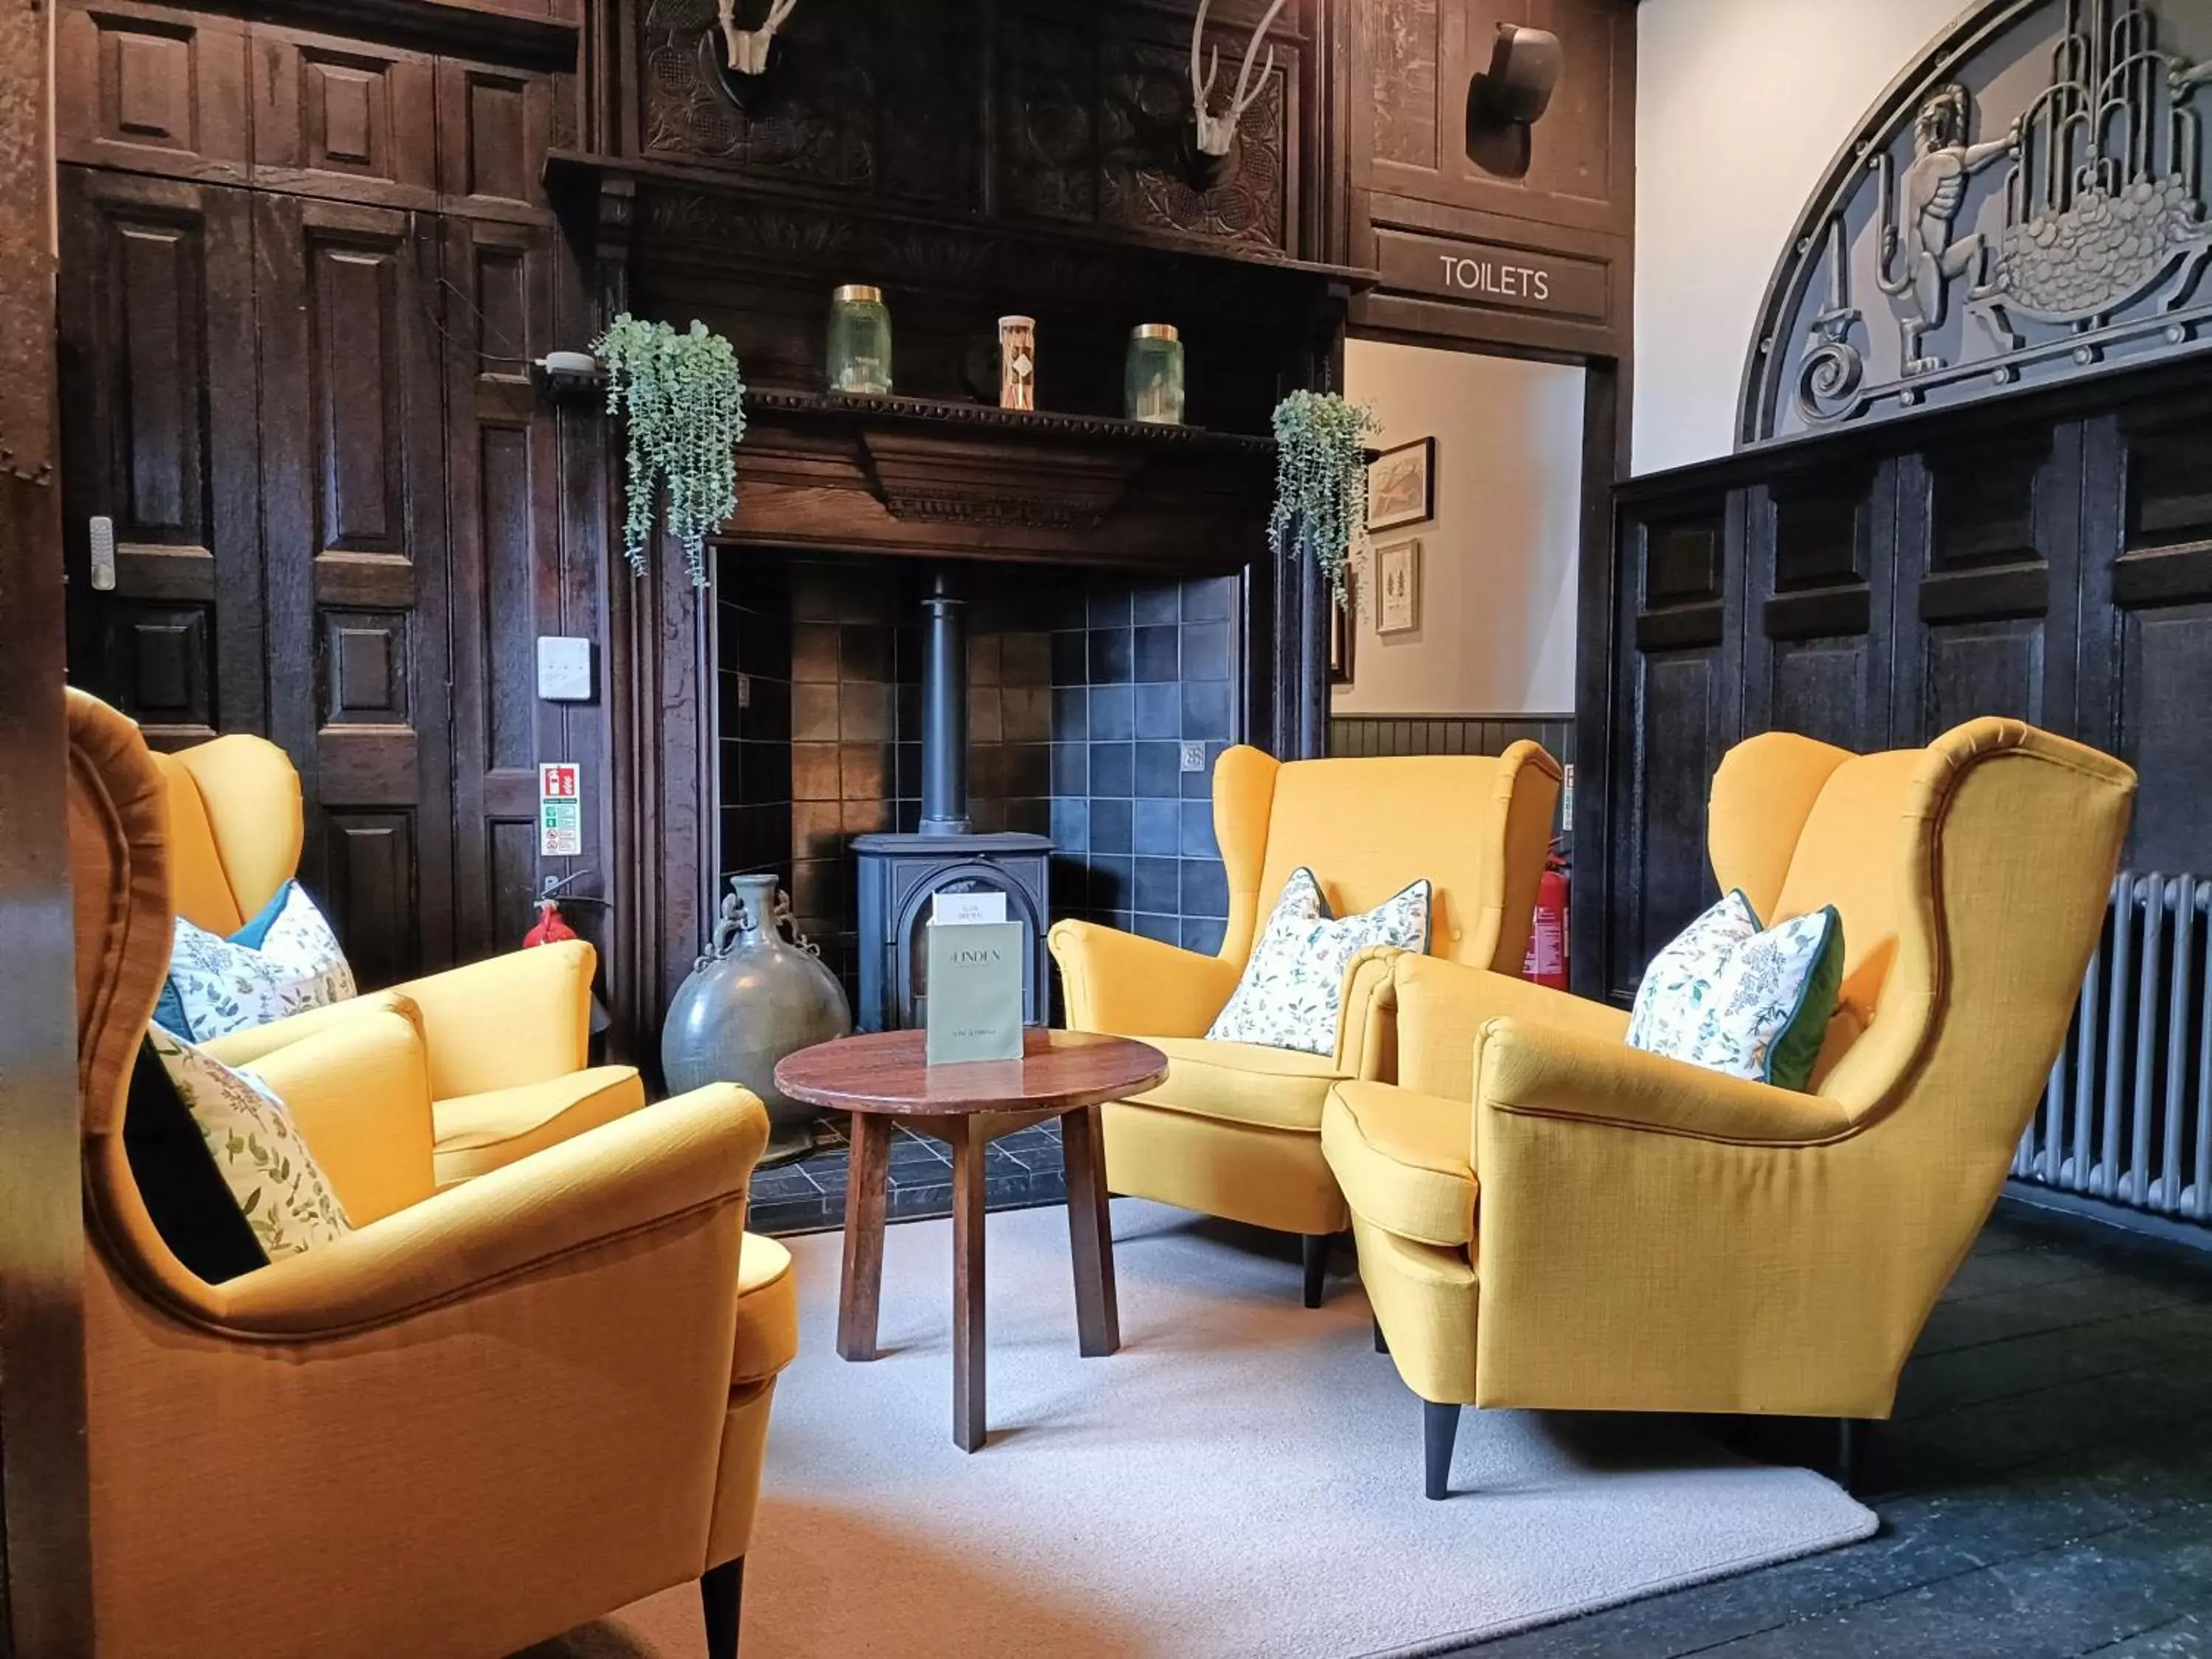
column 2075, row 230
column 1919, row 215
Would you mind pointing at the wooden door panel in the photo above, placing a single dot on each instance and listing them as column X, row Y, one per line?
column 506, row 539
column 354, row 531
column 344, row 118
column 1820, row 555
column 158, row 361
column 151, row 87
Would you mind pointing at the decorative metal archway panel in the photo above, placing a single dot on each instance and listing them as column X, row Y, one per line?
column 2025, row 204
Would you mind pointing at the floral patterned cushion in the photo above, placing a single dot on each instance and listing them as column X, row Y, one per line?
column 277, row 1185
column 1734, row 998
column 1292, row 989
column 283, row 961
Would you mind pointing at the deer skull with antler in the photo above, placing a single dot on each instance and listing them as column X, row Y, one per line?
column 1217, row 133
column 749, row 47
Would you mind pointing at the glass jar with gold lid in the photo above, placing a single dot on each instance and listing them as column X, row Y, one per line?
column 1152, row 384
column 859, row 352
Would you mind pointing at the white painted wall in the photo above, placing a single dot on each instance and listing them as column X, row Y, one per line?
column 1498, row 562
column 1740, row 105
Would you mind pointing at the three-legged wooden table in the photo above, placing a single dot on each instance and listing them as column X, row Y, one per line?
column 881, row 1079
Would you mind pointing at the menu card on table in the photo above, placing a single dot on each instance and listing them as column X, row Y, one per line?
column 975, row 1010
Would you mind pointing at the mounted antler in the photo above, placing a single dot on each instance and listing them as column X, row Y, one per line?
column 749, row 47
column 1216, row 133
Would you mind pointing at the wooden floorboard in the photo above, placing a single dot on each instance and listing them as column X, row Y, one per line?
column 2046, row 1488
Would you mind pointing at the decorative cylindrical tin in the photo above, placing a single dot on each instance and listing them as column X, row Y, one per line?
column 752, row 999
column 1018, row 362
column 859, row 352
column 1151, row 380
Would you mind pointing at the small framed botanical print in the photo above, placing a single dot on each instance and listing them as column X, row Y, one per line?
column 1398, row 587
column 1401, row 485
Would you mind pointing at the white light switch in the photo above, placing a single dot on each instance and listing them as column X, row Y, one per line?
column 565, row 669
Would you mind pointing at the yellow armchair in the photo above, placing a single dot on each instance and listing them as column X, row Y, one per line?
column 508, row 1037
column 1641, row 1234
column 482, row 1417
column 1236, row 1130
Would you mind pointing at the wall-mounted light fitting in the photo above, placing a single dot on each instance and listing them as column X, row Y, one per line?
column 1505, row 101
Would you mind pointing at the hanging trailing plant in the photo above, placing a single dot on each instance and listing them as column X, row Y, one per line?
column 684, row 402
column 1321, row 481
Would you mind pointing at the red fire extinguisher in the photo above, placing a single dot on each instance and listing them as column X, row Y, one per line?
column 552, row 927
column 1547, row 962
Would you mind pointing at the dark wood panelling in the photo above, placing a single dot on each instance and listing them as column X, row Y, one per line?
column 2052, row 563
column 506, row 535
column 333, row 115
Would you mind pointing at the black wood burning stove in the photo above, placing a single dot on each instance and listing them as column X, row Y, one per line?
column 900, row 874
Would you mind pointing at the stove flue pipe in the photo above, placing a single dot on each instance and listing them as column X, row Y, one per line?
column 945, row 714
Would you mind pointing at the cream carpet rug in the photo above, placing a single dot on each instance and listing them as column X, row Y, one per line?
column 1242, row 1478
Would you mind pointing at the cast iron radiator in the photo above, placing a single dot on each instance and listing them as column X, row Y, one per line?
column 2127, row 1116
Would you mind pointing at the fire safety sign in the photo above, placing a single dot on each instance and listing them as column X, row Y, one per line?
column 560, row 810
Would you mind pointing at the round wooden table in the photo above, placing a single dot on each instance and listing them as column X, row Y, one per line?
column 881, row 1079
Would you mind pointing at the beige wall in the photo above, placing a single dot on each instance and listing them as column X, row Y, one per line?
column 1498, row 562
column 1741, row 106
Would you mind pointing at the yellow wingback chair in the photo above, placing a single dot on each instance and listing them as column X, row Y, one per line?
column 484, row 1416
column 1641, row 1234
column 510, row 1037
column 1236, row 1130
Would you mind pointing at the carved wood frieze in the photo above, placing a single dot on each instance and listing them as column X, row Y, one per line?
column 1088, row 122
column 2027, row 203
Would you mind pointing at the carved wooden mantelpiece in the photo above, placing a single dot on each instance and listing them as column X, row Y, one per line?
column 904, row 475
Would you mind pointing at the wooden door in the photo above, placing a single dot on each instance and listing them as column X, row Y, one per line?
column 159, row 364
column 255, row 403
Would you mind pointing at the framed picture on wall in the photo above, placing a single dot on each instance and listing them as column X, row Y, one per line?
column 1401, row 485
column 1398, row 587
column 1342, row 627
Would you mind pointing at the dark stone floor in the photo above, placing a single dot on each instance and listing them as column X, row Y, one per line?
column 807, row 1194
column 2044, row 1489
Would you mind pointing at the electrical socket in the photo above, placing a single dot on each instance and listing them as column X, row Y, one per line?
column 1193, row 757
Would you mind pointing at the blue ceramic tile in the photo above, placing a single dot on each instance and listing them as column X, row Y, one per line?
column 1198, row 840
column 1204, row 888
column 1109, row 602
column 1113, row 656
column 1071, row 660
column 1159, row 711
column 1109, row 827
column 1203, row 934
column 1158, row 653
column 1071, row 823
column 1070, row 714
column 1162, row 603
column 1205, row 708
column 1157, row 827
column 1113, row 714
column 1167, row 929
column 1113, row 769
column 1206, row 651
column 1159, row 770
column 1110, row 879
column 1158, row 886
column 1070, row 769
column 1209, row 599
column 1197, row 784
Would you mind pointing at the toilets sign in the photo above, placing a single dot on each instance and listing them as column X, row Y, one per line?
column 1496, row 279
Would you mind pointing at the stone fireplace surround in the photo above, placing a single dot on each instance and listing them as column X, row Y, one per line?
column 1084, row 686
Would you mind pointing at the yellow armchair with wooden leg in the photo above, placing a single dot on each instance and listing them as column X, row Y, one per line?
column 510, row 1037
column 1236, row 1130
column 480, row 1418
column 1548, row 1217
